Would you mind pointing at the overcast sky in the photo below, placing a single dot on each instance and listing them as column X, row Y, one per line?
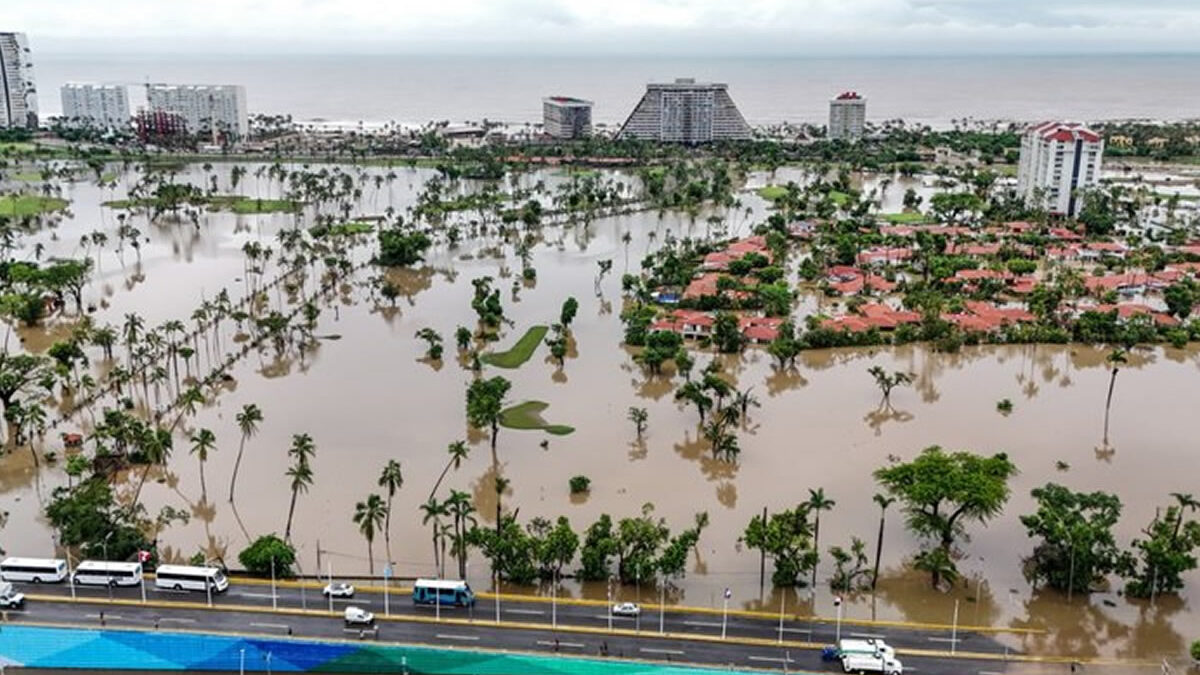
column 678, row 27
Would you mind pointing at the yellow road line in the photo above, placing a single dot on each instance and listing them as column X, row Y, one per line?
column 680, row 609
column 566, row 628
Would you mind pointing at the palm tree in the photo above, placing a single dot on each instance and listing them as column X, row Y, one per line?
column 155, row 445
column 818, row 502
column 392, row 479
column 458, row 452
column 692, row 392
column 301, row 473
column 202, row 442
column 460, row 508
column 745, row 400
column 247, row 420
column 883, row 501
column 433, row 511
column 1186, row 501
column 369, row 515
column 1116, row 358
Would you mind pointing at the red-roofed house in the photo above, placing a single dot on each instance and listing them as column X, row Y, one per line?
column 883, row 255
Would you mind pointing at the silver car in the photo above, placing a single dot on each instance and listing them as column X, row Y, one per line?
column 338, row 591
column 626, row 609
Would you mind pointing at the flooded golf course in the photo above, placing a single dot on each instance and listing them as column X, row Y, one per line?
column 366, row 394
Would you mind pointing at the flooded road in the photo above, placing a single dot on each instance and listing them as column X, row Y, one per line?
column 370, row 396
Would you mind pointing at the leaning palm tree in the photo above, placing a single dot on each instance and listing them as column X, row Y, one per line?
column 1116, row 358
column 818, row 502
column 460, row 508
column 884, row 502
column 458, row 452
column 301, row 475
column 247, row 420
column 203, row 442
column 433, row 511
column 369, row 515
column 393, row 480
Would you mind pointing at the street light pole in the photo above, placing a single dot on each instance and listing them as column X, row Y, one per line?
column 782, row 603
column 107, row 569
column 496, row 578
column 725, row 612
column 637, row 618
column 662, row 605
column 609, row 594
column 837, row 602
column 242, row 662
column 954, row 629
column 274, row 595
column 554, row 600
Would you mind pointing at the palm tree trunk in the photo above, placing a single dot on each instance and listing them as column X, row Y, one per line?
column 387, row 530
column 444, row 472
column 878, row 552
column 1112, row 382
column 137, row 494
column 203, row 487
column 237, row 463
column 435, row 549
column 287, row 532
column 816, row 547
column 370, row 557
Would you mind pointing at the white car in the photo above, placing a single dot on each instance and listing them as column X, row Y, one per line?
column 357, row 616
column 338, row 591
column 626, row 609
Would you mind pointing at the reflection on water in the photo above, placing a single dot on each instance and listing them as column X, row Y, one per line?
column 369, row 396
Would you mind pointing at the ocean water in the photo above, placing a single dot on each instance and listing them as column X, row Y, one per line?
column 416, row 89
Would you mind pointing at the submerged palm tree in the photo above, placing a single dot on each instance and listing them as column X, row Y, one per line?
column 433, row 511
column 247, row 420
column 369, row 516
column 884, row 502
column 818, row 502
column 1116, row 358
column 392, row 479
column 203, row 442
column 458, row 452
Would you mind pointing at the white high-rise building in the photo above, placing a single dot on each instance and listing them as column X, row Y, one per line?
column 204, row 107
column 18, row 94
column 1059, row 160
column 847, row 116
column 566, row 117
column 686, row 111
column 100, row 106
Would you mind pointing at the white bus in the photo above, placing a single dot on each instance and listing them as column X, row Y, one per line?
column 107, row 573
column 444, row 592
column 189, row 578
column 37, row 570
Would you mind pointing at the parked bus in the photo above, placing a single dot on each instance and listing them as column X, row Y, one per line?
column 444, row 592
column 107, row 573
column 189, row 578
column 37, row 570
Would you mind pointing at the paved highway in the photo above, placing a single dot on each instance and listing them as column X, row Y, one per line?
column 527, row 625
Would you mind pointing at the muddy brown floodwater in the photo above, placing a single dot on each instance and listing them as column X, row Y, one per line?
column 369, row 397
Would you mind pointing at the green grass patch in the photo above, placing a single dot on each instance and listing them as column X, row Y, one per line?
column 518, row 353
column 906, row 218
column 17, row 148
column 772, row 192
column 27, row 176
column 528, row 415
column 247, row 205
column 30, row 205
column 341, row 229
column 839, row 198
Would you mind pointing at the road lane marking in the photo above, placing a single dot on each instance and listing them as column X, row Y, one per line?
column 771, row 659
column 616, row 617
column 531, row 612
column 357, row 602
column 172, row 590
column 649, row 650
column 445, row 636
column 268, row 596
column 280, row 626
column 798, row 630
column 873, row 636
column 988, row 672
column 552, row 643
column 179, row 619
column 106, row 616
column 705, row 624
column 942, row 639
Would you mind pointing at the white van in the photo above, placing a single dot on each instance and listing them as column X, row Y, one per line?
column 36, row 570
column 868, row 647
column 10, row 599
column 864, row 663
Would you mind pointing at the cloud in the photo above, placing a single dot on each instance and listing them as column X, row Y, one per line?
column 644, row 26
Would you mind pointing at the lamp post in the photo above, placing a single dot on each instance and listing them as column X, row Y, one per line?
column 725, row 612
column 662, row 605
column 329, row 568
column 954, row 629
column 610, row 599
column 242, row 662
column 107, row 572
column 837, row 602
column 496, row 585
column 387, row 574
column 782, row 603
column 554, row 600
column 637, row 582
column 274, row 595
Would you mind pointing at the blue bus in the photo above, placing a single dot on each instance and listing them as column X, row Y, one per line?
column 444, row 592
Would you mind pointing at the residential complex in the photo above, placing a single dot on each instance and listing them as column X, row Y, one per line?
column 566, row 117
column 100, row 106
column 1059, row 160
column 686, row 111
column 18, row 94
column 205, row 109
column 847, row 116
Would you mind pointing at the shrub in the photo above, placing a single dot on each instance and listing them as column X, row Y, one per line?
column 580, row 484
column 1005, row 406
column 258, row 556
